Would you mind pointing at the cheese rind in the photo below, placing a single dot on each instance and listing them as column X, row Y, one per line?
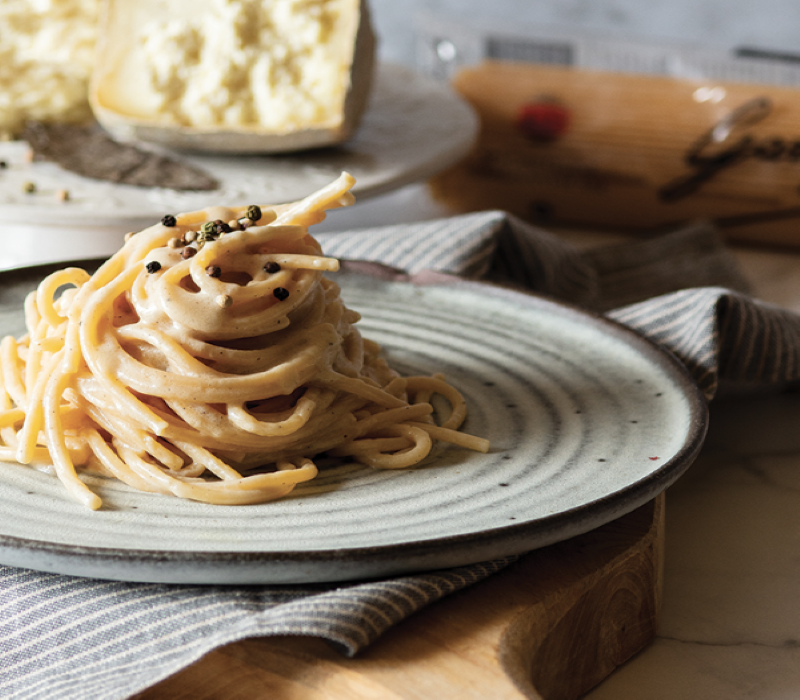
column 234, row 75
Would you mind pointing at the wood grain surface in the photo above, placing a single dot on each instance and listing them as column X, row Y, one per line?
column 551, row 627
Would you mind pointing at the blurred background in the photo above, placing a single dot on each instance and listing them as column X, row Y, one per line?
column 768, row 24
column 617, row 115
column 588, row 120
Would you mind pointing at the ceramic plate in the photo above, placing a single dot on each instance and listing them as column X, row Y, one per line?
column 587, row 421
column 413, row 128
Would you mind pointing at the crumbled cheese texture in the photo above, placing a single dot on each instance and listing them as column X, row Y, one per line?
column 46, row 54
column 274, row 64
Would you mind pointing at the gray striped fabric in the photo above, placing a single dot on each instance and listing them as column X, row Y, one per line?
column 723, row 337
column 68, row 637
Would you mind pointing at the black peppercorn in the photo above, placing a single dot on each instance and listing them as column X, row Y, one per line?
column 169, row 221
column 253, row 213
column 153, row 266
column 272, row 267
column 213, row 271
column 280, row 293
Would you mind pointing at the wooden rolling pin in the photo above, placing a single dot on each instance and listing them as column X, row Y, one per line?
column 550, row 627
column 630, row 153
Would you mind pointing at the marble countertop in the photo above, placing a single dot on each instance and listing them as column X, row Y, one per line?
column 730, row 623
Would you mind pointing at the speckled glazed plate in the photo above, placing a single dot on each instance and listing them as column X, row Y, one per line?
column 587, row 421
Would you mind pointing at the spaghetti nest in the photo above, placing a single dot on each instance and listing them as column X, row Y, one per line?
column 211, row 360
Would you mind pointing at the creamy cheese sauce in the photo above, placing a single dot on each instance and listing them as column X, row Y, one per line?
column 142, row 375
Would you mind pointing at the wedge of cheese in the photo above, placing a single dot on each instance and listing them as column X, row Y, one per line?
column 236, row 76
column 46, row 56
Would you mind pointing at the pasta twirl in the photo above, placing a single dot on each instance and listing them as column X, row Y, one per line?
column 210, row 359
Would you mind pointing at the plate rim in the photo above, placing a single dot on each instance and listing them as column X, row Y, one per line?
column 546, row 530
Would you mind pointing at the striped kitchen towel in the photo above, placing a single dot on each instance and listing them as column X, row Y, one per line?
column 682, row 289
column 68, row 637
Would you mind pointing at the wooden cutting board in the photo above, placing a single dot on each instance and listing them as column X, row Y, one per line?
column 551, row 626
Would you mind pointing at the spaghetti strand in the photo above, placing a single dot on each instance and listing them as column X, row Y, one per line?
column 212, row 362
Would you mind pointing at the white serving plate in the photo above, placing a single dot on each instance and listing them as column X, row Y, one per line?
column 413, row 128
column 587, row 421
